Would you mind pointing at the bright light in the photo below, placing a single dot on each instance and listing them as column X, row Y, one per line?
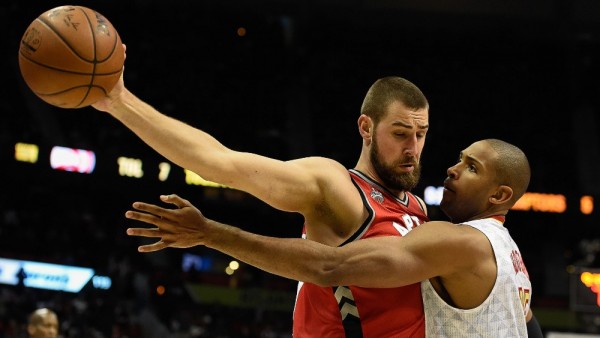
column 592, row 281
column 44, row 275
column 71, row 159
column 542, row 202
column 234, row 265
column 192, row 178
column 26, row 152
column 130, row 167
column 164, row 169
column 102, row 282
column 586, row 205
column 433, row 195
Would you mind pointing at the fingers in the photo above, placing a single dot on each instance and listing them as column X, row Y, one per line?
column 149, row 209
column 144, row 232
column 149, row 218
column 175, row 200
column 165, row 222
column 153, row 247
column 160, row 211
column 150, row 233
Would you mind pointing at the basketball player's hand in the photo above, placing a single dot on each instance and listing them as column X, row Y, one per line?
column 107, row 102
column 181, row 227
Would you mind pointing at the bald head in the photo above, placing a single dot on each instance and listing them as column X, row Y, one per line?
column 43, row 323
column 512, row 167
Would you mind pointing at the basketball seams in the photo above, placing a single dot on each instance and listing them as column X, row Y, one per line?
column 68, row 78
column 57, row 33
column 74, row 87
column 66, row 70
column 95, row 61
column 114, row 48
column 93, row 31
column 55, row 68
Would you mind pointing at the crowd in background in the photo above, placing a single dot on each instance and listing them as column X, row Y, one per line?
column 78, row 233
column 103, row 315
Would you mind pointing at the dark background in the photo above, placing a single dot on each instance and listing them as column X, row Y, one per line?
column 525, row 72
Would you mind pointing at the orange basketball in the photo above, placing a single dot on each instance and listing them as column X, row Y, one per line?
column 71, row 56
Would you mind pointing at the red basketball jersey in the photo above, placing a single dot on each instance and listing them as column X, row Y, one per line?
column 349, row 311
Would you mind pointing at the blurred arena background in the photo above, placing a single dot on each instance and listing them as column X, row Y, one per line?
column 286, row 79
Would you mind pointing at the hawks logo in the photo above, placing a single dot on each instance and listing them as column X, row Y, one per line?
column 377, row 196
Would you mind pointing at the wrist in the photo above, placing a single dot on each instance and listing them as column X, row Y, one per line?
column 121, row 102
column 216, row 234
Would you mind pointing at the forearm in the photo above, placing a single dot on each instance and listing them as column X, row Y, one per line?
column 310, row 261
column 182, row 144
column 293, row 258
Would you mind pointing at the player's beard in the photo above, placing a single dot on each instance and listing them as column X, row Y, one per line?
column 388, row 175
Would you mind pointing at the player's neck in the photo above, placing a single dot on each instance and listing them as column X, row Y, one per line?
column 370, row 172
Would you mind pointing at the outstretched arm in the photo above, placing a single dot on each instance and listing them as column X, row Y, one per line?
column 395, row 261
column 289, row 186
column 185, row 226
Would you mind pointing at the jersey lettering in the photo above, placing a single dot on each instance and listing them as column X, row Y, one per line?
column 401, row 229
column 410, row 222
column 518, row 263
column 356, row 312
column 525, row 295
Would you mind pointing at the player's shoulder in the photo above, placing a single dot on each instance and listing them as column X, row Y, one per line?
column 421, row 203
column 460, row 239
column 323, row 165
column 317, row 160
column 452, row 232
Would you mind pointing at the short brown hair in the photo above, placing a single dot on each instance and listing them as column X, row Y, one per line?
column 388, row 90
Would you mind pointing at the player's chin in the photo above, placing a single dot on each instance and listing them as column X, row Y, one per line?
column 447, row 198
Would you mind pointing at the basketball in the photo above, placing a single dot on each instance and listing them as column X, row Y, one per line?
column 71, row 56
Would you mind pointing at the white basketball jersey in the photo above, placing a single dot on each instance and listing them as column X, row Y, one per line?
column 502, row 314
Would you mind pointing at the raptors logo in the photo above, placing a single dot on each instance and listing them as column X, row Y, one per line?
column 377, row 196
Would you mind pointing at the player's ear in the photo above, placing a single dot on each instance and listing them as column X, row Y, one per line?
column 503, row 194
column 365, row 127
column 31, row 330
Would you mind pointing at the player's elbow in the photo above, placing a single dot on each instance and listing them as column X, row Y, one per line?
column 332, row 276
column 328, row 272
